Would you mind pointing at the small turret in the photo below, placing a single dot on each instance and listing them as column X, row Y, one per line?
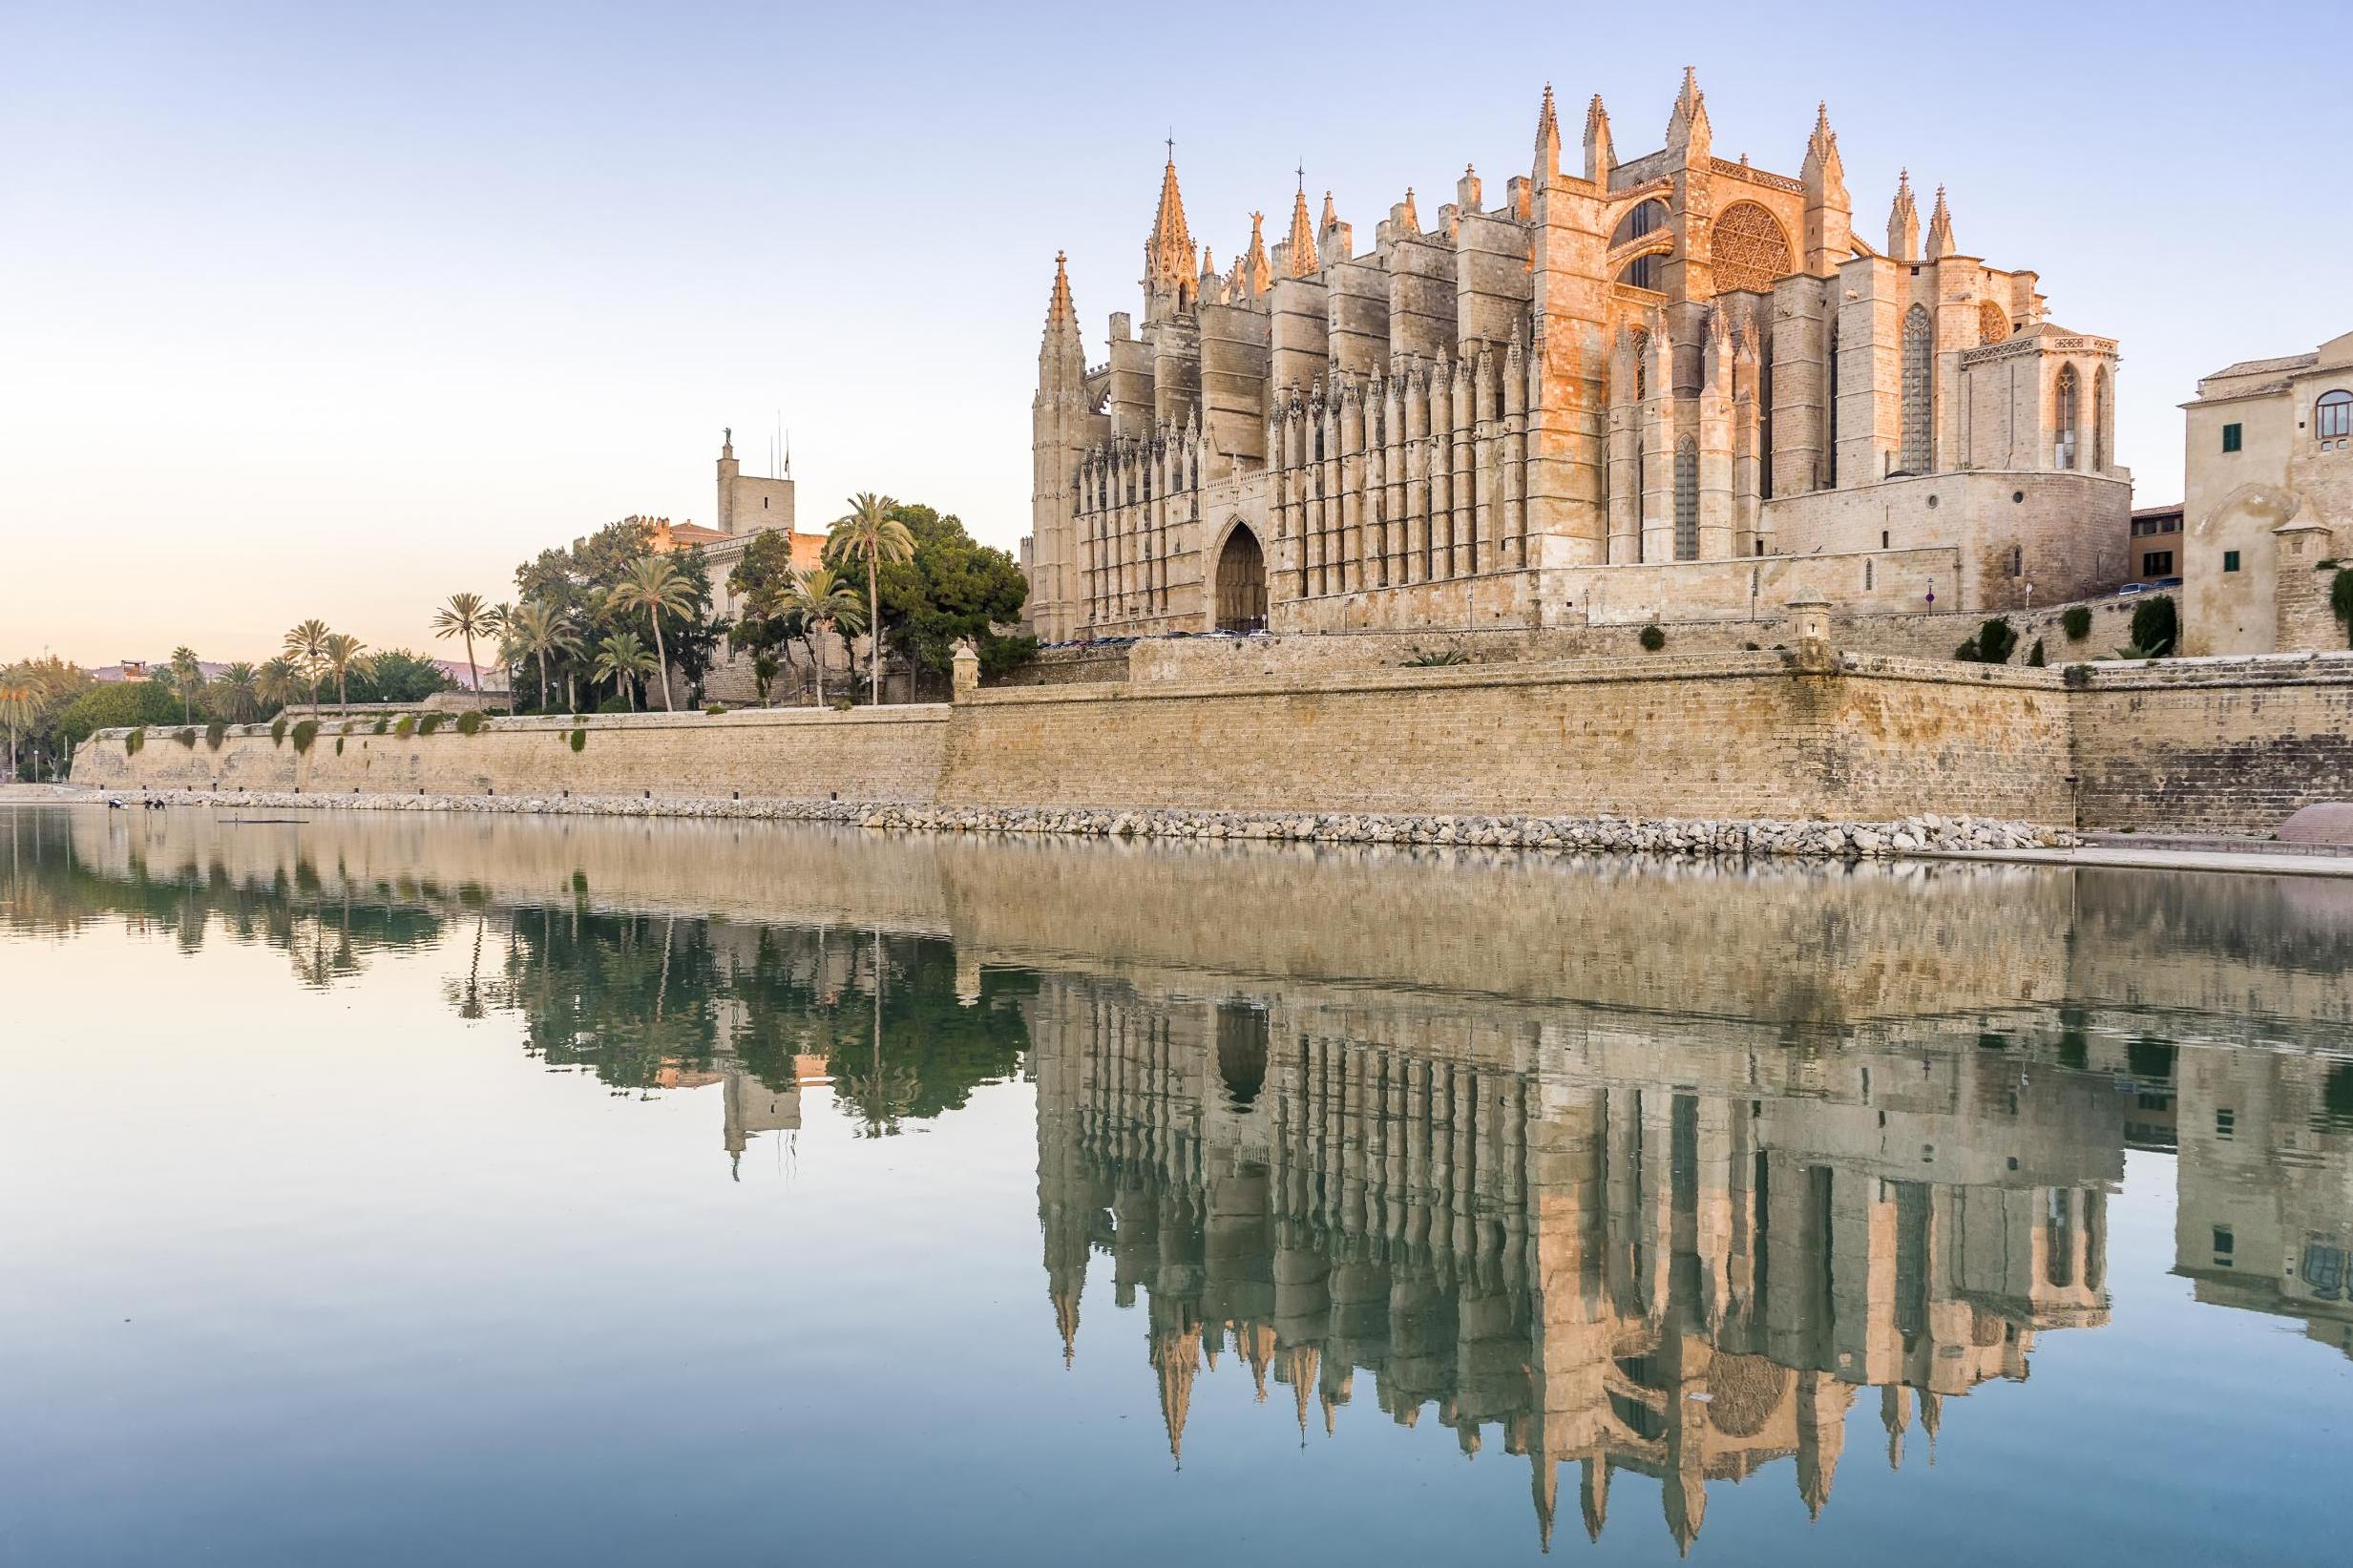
column 1547, row 140
column 1940, row 229
column 1903, row 221
column 1600, row 156
column 1251, row 271
column 1335, row 237
column 1688, row 132
column 1830, row 213
column 1300, row 247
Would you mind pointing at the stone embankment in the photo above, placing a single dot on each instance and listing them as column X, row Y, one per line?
column 1924, row 834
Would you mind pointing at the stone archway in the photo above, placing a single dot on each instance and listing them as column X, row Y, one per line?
column 1241, row 582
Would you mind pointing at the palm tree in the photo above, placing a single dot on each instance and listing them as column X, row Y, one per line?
column 306, row 651
column 823, row 604
column 868, row 534
column 619, row 658
column 20, row 702
column 540, row 631
column 188, row 678
column 344, row 653
column 236, row 695
column 655, row 585
column 276, row 683
column 467, row 617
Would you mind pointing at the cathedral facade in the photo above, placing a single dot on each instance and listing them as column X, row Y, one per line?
column 1666, row 388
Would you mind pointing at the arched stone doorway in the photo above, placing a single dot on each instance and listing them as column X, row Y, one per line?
column 1241, row 582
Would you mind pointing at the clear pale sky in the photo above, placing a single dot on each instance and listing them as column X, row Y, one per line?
column 334, row 309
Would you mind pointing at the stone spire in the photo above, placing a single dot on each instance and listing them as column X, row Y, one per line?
column 1169, row 254
column 1060, row 311
column 1903, row 223
column 1824, row 173
column 1412, row 220
column 1253, row 268
column 1593, row 1496
column 1302, row 243
column 1687, row 125
column 1544, row 1488
column 1332, row 234
column 1940, row 229
column 1600, row 156
column 1548, row 139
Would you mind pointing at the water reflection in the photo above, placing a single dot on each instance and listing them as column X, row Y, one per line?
column 1665, row 1171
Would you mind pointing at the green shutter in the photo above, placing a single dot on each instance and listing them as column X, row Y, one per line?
column 2229, row 438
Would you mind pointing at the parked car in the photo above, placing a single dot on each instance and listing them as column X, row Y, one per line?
column 2133, row 587
column 2168, row 582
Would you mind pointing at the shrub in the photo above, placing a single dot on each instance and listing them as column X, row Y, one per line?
column 406, row 726
column 1996, row 640
column 471, row 722
column 304, row 734
column 580, row 738
column 2341, row 600
column 714, row 710
column 1967, row 652
column 186, row 738
column 1431, row 658
column 431, row 722
column 1750, row 647
column 338, row 746
column 132, row 742
column 2077, row 675
column 2034, row 655
column 1653, row 639
column 382, row 725
column 215, row 734
column 843, row 704
column 2076, row 622
column 278, row 730
column 617, row 703
column 2155, row 625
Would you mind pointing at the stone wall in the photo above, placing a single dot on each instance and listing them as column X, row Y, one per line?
column 1738, row 734
column 1201, row 659
column 891, row 754
column 1219, row 724
column 2213, row 744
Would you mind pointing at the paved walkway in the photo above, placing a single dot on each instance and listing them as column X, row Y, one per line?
column 2269, row 862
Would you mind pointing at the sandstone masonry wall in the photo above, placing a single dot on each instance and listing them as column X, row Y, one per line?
column 891, row 754
column 2223, row 745
column 1738, row 735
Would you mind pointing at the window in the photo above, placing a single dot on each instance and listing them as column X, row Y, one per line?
column 2157, row 563
column 1868, row 575
column 2229, row 438
column 2063, row 420
column 2332, row 417
column 2230, row 560
column 2099, row 420
column 2018, row 560
column 1687, row 500
column 2226, row 1124
column 1918, row 348
column 2225, row 1244
column 1882, row 538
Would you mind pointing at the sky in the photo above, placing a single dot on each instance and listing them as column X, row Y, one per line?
column 335, row 310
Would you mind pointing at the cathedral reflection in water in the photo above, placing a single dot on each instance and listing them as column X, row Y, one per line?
column 1684, row 1254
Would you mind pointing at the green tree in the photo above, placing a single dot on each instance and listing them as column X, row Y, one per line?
column 466, row 616
column 235, row 697
column 539, row 629
column 188, row 679
column 2156, row 625
column 306, row 649
column 871, row 536
column 951, row 588
column 825, row 605
column 344, row 656
column 397, row 675
column 654, row 585
column 276, row 684
column 116, row 705
column 20, row 705
column 622, row 658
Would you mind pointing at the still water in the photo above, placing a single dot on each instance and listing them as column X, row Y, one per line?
column 401, row 1189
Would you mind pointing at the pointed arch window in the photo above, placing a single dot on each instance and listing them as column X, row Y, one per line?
column 1918, row 387
column 1687, row 499
column 2064, row 419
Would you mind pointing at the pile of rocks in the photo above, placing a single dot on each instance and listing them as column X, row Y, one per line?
column 1925, row 834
